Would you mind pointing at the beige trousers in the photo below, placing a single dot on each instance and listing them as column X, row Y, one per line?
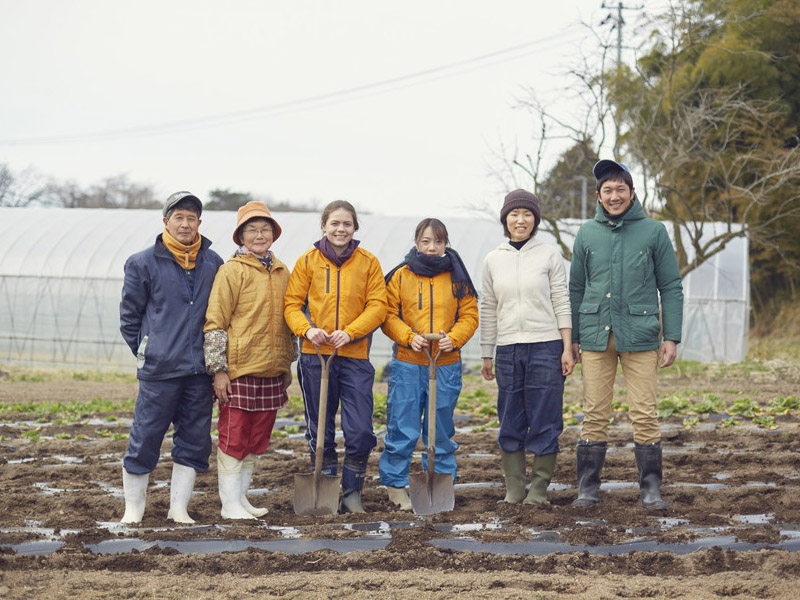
column 599, row 372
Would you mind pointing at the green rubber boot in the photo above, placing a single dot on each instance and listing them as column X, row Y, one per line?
column 514, row 471
column 543, row 467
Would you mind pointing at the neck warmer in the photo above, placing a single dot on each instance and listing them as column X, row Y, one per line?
column 185, row 256
column 430, row 266
column 328, row 252
column 266, row 261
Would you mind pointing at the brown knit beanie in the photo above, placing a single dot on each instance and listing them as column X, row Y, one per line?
column 521, row 199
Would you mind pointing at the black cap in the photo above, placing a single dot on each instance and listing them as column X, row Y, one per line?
column 177, row 197
column 601, row 167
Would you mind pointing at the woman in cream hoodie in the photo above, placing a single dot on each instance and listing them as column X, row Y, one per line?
column 526, row 324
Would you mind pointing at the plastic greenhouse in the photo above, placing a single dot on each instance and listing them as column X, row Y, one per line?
column 61, row 274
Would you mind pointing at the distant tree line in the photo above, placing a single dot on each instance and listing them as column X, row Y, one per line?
column 31, row 188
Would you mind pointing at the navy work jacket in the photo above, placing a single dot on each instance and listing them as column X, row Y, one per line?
column 163, row 310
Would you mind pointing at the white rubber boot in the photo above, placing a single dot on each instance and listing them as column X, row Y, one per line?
column 229, row 472
column 180, row 492
column 248, row 465
column 399, row 497
column 135, row 489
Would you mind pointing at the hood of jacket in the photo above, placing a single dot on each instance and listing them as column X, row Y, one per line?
column 635, row 213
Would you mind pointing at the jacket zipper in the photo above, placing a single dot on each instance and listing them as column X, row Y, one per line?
column 338, row 283
column 586, row 266
column 519, row 294
column 431, row 310
column 327, row 279
column 419, row 304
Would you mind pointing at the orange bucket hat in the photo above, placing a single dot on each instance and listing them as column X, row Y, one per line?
column 252, row 210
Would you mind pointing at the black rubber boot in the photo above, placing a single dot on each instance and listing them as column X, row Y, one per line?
column 329, row 464
column 354, row 470
column 590, row 459
column 648, row 461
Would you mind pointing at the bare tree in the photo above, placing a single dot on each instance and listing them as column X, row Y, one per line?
column 112, row 192
column 26, row 188
column 719, row 157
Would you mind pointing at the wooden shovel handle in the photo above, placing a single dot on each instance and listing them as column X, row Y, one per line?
column 432, row 337
column 322, row 412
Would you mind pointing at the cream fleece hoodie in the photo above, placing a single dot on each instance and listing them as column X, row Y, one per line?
column 524, row 296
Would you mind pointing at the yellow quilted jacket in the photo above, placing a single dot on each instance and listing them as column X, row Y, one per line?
column 351, row 298
column 247, row 303
column 419, row 304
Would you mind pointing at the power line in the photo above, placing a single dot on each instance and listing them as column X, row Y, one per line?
column 313, row 102
column 618, row 23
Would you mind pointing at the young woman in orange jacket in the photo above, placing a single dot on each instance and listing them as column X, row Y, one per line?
column 336, row 298
column 429, row 292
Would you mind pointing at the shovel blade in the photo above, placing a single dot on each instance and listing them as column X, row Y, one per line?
column 428, row 500
column 310, row 499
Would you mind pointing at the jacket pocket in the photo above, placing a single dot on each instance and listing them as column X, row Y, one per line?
column 644, row 324
column 589, row 321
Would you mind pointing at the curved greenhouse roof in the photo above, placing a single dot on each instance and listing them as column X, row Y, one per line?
column 61, row 273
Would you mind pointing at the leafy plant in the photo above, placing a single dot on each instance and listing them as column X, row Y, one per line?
column 710, row 404
column 690, row 422
column 744, row 407
column 485, row 426
column 783, row 405
column 765, row 422
column 379, row 401
column 619, row 406
column 295, row 404
column 32, row 434
column 63, row 436
column 675, row 404
column 730, row 422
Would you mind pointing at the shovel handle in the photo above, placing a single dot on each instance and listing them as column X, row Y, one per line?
column 322, row 412
column 432, row 337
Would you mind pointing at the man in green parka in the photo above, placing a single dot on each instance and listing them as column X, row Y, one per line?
column 622, row 263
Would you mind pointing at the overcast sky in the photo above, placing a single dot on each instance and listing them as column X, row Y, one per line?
column 279, row 98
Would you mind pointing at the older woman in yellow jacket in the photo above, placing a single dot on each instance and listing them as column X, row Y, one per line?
column 248, row 349
column 336, row 298
column 429, row 292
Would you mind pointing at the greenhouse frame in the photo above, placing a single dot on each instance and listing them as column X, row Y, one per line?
column 61, row 276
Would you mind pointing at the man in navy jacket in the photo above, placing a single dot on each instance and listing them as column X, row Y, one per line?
column 162, row 313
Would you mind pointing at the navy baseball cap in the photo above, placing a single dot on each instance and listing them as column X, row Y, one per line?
column 601, row 167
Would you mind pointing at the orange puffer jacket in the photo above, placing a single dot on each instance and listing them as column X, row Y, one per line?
column 247, row 303
column 419, row 304
column 351, row 298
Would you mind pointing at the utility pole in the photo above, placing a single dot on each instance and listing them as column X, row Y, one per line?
column 617, row 22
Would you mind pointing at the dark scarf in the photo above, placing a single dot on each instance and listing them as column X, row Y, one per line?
column 430, row 266
column 328, row 252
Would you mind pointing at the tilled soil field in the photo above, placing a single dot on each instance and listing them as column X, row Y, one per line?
column 732, row 481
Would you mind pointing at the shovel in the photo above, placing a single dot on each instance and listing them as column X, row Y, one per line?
column 431, row 492
column 318, row 494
